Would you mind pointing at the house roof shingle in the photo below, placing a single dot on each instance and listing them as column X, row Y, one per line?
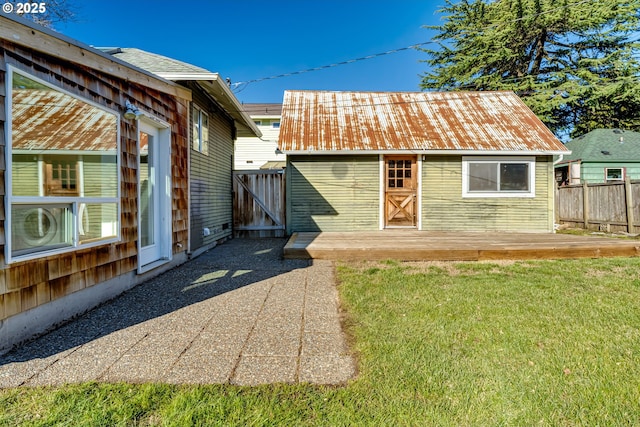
column 154, row 63
column 497, row 122
column 177, row 71
column 605, row 145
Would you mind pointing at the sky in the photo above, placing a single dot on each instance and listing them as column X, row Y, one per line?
column 247, row 40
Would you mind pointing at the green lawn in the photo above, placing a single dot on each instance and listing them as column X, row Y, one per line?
column 548, row 343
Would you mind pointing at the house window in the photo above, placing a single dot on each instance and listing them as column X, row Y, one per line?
column 62, row 169
column 614, row 174
column 258, row 122
column 275, row 125
column 200, row 131
column 498, row 177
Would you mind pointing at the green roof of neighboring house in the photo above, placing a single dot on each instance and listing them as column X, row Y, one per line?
column 605, row 145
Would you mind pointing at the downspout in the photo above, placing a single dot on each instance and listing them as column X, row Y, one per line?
column 555, row 192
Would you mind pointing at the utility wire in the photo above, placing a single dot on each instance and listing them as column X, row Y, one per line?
column 236, row 86
column 324, row 67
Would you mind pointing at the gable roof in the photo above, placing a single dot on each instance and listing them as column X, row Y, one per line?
column 605, row 145
column 174, row 70
column 357, row 122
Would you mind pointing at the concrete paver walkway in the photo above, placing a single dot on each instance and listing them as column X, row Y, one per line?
column 238, row 314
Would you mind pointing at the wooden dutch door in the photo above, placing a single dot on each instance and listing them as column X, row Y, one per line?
column 401, row 184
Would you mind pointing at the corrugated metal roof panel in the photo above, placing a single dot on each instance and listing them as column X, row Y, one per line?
column 392, row 121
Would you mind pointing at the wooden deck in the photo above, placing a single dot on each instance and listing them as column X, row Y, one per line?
column 411, row 245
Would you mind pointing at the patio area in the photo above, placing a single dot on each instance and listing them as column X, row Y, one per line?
column 413, row 245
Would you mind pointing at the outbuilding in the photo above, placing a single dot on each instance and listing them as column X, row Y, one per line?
column 450, row 161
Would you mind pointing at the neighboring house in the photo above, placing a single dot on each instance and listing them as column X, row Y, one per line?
column 602, row 155
column 261, row 153
column 476, row 161
column 94, row 181
column 216, row 119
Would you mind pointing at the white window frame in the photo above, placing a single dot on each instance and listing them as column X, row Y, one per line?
column 202, row 143
column 75, row 203
column 622, row 174
column 530, row 160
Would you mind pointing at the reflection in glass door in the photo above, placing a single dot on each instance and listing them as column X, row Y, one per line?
column 149, row 232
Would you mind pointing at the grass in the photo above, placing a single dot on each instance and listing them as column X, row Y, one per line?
column 450, row 344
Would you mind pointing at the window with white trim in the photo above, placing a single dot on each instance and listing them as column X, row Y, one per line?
column 62, row 169
column 498, row 177
column 200, row 131
column 614, row 174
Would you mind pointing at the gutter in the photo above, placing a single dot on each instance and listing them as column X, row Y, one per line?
column 427, row 152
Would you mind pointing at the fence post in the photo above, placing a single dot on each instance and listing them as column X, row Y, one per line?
column 585, row 205
column 629, row 202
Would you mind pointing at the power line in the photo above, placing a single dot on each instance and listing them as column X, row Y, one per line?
column 324, row 67
column 375, row 55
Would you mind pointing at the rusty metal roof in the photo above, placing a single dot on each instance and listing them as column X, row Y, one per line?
column 335, row 122
column 52, row 120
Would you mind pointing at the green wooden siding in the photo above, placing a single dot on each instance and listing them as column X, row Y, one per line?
column 333, row 193
column 444, row 208
column 211, row 179
column 593, row 172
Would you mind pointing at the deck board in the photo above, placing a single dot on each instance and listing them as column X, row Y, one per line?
column 411, row 245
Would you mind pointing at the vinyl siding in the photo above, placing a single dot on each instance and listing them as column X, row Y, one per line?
column 252, row 153
column 333, row 193
column 211, row 185
column 595, row 172
column 444, row 209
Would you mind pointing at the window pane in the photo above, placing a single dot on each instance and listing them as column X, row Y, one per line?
column 205, row 134
column 614, row 174
column 483, row 177
column 100, row 175
column 98, row 221
column 196, row 130
column 514, row 177
column 61, row 146
column 47, row 127
column 37, row 228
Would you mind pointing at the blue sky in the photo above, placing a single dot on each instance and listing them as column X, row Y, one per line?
column 247, row 39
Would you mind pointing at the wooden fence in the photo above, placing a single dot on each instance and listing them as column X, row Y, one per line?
column 259, row 203
column 610, row 207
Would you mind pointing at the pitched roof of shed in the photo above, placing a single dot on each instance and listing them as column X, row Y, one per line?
column 604, row 145
column 496, row 122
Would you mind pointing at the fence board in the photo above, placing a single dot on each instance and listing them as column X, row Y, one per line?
column 259, row 203
column 604, row 207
